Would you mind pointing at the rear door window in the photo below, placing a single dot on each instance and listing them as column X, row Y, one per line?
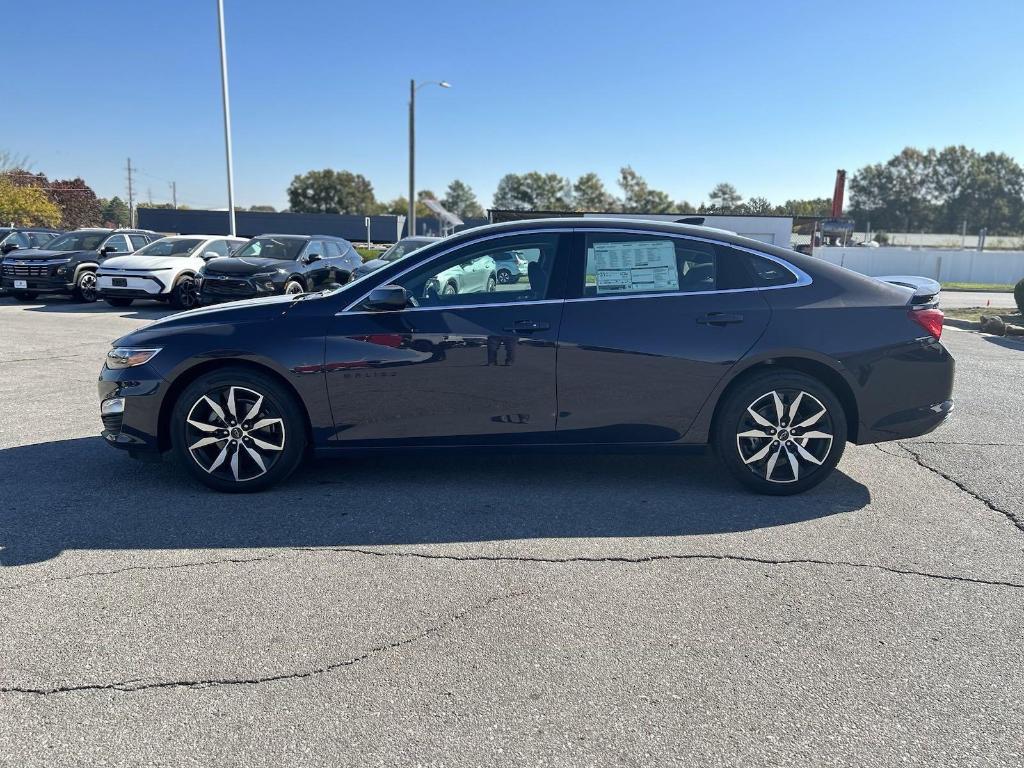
column 626, row 263
column 138, row 241
column 118, row 242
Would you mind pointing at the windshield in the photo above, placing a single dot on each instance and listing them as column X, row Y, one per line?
column 171, row 247
column 77, row 241
column 280, row 248
column 402, row 248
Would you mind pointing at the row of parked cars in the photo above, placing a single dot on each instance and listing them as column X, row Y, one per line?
column 123, row 265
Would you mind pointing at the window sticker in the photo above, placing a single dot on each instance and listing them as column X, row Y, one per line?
column 643, row 265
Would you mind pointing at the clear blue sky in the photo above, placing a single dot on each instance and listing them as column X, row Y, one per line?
column 771, row 96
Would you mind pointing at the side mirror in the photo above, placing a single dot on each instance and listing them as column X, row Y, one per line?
column 107, row 249
column 387, row 298
column 8, row 247
column 311, row 257
column 209, row 255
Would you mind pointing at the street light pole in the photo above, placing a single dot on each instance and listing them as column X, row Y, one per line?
column 227, row 115
column 412, row 148
column 412, row 160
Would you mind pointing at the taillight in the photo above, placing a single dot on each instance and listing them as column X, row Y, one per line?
column 929, row 319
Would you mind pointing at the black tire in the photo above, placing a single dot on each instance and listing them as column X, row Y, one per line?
column 206, row 463
column 25, row 296
column 504, row 276
column 119, row 302
column 184, row 294
column 294, row 288
column 765, row 464
column 85, row 287
column 450, row 289
column 491, row 285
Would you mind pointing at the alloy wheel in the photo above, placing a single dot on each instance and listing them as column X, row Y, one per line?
column 448, row 290
column 87, row 286
column 784, row 435
column 491, row 287
column 293, row 288
column 187, row 297
column 504, row 277
column 235, row 433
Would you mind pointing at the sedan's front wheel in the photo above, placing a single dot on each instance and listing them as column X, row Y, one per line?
column 781, row 432
column 238, row 430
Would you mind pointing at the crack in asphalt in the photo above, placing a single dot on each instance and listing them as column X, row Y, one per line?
column 917, row 458
column 581, row 559
column 131, row 686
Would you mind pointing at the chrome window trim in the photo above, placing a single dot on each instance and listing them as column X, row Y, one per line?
column 545, row 230
column 802, row 278
column 453, row 307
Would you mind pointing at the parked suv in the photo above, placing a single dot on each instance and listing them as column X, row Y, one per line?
column 68, row 263
column 399, row 250
column 271, row 264
column 14, row 238
column 164, row 270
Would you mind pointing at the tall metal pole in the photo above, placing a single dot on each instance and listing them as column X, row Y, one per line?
column 131, row 197
column 227, row 115
column 411, row 231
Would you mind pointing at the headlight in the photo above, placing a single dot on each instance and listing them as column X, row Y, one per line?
column 269, row 273
column 127, row 357
column 62, row 270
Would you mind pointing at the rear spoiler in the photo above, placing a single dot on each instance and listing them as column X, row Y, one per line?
column 926, row 290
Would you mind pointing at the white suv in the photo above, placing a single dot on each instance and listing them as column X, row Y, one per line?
column 164, row 270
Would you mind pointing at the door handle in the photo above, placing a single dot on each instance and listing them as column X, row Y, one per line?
column 719, row 318
column 527, row 326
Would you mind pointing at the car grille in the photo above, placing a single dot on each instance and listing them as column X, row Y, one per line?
column 26, row 270
column 218, row 285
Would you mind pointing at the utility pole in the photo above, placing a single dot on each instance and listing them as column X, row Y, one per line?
column 412, row 159
column 131, row 197
column 227, row 115
column 174, row 194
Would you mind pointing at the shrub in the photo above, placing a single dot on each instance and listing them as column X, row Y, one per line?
column 1018, row 295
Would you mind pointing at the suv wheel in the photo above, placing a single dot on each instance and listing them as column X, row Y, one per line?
column 504, row 276
column 449, row 289
column 780, row 433
column 237, row 430
column 183, row 294
column 85, row 286
column 293, row 288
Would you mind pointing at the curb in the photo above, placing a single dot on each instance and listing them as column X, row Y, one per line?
column 965, row 325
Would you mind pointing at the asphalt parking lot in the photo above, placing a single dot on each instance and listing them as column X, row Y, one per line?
column 539, row 610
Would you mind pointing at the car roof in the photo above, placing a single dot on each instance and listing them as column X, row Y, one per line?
column 203, row 237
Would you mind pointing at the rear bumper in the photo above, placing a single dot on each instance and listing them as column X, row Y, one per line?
column 905, row 391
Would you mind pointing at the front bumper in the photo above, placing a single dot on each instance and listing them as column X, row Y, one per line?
column 130, row 286
column 218, row 289
column 37, row 284
column 134, row 426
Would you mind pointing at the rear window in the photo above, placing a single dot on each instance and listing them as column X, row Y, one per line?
column 742, row 269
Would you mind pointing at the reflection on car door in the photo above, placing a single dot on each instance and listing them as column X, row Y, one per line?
column 637, row 360
column 318, row 273
column 479, row 368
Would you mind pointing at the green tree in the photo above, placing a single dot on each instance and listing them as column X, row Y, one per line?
column 638, row 197
column 533, row 191
column 330, row 191
column 982, row 190
column 818, row 206
column 262, row 209
column 26, row 205
column 724, row 197
column 460, row 200
column 114, row 212
column 589, row 194
column 758, row 206
column 899, row 195
column 78, row 204
column 399, row 206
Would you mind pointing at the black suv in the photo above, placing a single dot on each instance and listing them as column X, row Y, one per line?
column 67, row 264
column 271, row 264
column 13, row 238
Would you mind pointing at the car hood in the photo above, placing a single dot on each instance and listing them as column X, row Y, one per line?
column 371, row 266
column 28, row 254
column 218, row 314
column 145, row 263
column 250, row 265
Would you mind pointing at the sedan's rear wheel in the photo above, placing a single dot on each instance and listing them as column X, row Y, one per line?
column 781, row 432
column 238, row 430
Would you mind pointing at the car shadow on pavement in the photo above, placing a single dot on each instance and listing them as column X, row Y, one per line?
column 145, row 311
column 80, row 494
